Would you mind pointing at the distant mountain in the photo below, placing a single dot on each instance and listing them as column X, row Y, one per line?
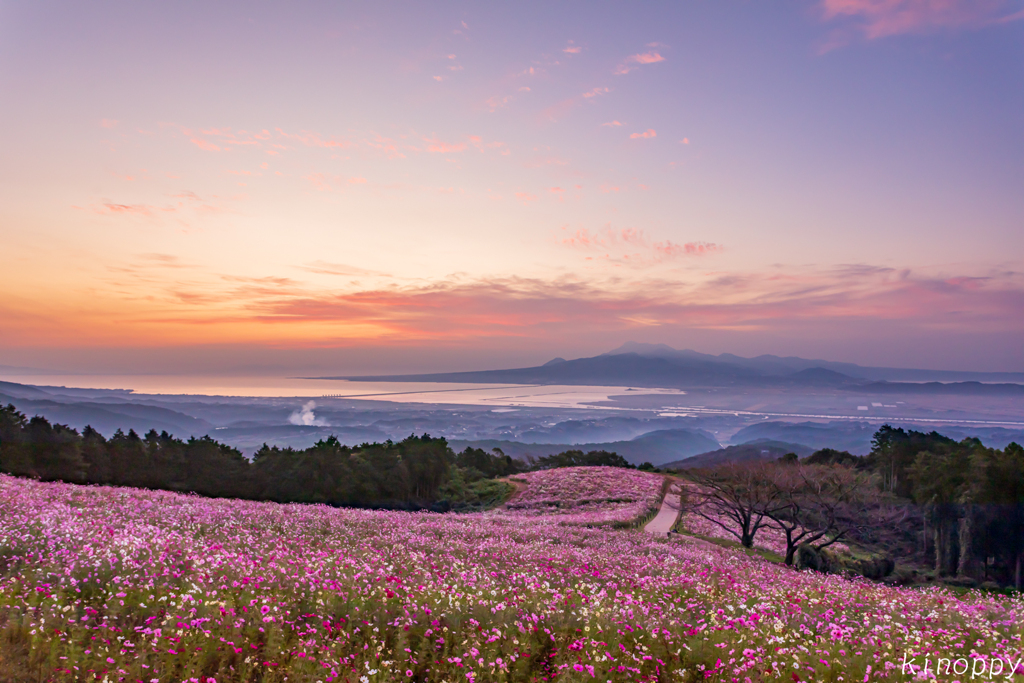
column 941, row 388
column 107, row 418
column 762, row 449
column 658, row 365
column 604, row 430
column 782, row 365
column 654, row 447
column 855, row 437
column 840, row 435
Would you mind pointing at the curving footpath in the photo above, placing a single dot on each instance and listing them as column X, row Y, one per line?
column 667, row 514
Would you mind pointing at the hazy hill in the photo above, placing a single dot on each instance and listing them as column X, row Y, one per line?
column 839, row 434
column 768, row 364
column 764, row 449
column 855, row 437
column 654, row 447
column 106, row 418
column 658, row 365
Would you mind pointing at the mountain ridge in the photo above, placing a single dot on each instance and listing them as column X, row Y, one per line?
column 661, row 366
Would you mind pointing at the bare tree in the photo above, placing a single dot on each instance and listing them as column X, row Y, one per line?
column 739, row 498
column 817, row 504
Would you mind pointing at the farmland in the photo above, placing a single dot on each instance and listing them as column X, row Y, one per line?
column 105, row 583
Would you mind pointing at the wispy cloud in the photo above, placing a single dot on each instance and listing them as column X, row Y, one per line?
column 633, row 245
column 130, row 209
column 670, row 249
column 343, row 269
column 162, row 260
column 756, row 301
column 634, row 61
column 649, row 133
column 613, row 123
column 205, row 145
column 496, row 102
column 874, row 19
column 436, row 145
column 193, row 307
column 595, row 92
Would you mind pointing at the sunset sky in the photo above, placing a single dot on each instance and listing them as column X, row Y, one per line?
column 346, row 187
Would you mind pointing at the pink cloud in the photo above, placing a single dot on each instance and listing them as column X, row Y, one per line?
column 633, row 61
column 386, row 145
column 634, row 246
column 205, row 145
column 142, row 209
column 884, row 18
column 310, row 139
column 859, row 304
column 320, row 181
column 109, row 123
column 561, row 308
column 555, row 189
column 649, row 133
column 324, row 183
column 646, row 58
column 438, row 146
column 497, row 102
column 482, row 146
column 670, row 249
column 595, row 92
column 559, row 110
column 572, row 49
column 613, row 123
column 328, row 268
column 526, row 197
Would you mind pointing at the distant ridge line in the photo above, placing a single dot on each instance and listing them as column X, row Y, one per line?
column 660, row 366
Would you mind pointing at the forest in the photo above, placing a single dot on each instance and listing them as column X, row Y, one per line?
column 419, row 472
column 955, row 505
column 962, row 504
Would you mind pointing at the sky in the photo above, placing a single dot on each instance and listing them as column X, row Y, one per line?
column 347, row 187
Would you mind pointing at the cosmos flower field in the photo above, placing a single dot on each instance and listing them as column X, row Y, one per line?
column 587, row 495
column 124, row 584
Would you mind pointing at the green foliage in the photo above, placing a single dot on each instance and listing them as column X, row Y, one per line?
column 972, row 499
column 575, row 458
column 830, row 456
column 415, row 473
column 462, row 495
column 404, row 475
column 419, row 472
column 893, row 452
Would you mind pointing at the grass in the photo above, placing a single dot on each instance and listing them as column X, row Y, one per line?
column 732, row 545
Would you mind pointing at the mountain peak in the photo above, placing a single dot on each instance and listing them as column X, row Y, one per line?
column 644, row 349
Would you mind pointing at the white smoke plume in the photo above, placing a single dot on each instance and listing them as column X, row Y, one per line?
column 306, row 416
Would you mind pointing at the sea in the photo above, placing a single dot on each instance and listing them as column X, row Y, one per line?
column 508, row 396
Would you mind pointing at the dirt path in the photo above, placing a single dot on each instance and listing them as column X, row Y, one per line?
column 520, row 488
column 667, row 515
